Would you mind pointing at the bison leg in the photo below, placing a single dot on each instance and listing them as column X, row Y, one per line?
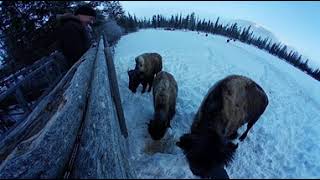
column 172, row 112
column 144, row 89
column 249, row 126
column 144, row 84
column 150, row 84
column 254, row 118
column 244, row 135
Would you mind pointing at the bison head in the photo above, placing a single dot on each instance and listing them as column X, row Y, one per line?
column 207, row 154
column 134, row 80
column 157, row 129
column 140, row 66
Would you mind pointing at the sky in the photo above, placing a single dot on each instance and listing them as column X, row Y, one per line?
column 294, row 23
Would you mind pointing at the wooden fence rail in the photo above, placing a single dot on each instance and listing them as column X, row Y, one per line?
column 26, row 92
column 115, row 87
column 75, row 130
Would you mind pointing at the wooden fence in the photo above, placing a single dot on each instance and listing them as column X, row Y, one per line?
column 77, row 131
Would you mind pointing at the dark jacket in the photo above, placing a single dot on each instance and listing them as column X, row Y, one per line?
column 73, row 37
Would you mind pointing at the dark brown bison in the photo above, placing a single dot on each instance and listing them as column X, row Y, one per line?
column 229, row 104
column 147, row 66
column 164, row 102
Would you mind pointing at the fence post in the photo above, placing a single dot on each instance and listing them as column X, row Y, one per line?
column 114, row 87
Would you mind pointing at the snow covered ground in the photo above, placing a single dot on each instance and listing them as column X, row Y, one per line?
column 285, row 141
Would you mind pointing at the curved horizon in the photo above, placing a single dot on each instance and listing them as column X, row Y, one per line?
column 293, row 23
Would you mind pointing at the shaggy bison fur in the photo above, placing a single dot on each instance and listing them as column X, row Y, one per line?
column 147, row 66
column 164, row 102
column 229, row 104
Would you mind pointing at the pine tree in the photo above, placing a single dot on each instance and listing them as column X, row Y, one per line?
column 233, row 31
column 28, row 28
column 154, row 21
column 192, row 21
column 171, row 24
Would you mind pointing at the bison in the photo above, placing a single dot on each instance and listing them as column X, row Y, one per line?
column 147, row 66
column 164, row 102
column 229, row 104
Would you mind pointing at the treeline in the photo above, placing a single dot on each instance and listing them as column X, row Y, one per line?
column 191, row 22
column 129, row 23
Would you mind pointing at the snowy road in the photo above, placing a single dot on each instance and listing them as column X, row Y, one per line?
column 284, row 143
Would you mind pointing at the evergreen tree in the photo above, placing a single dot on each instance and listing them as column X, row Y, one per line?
column 233, row 31
column 28, row 28
column 192, row 22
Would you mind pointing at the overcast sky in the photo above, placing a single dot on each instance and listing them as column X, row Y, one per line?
column 295, row 23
